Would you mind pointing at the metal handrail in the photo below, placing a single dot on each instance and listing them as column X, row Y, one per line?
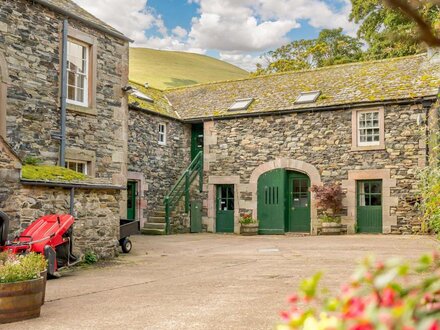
column 182, row 187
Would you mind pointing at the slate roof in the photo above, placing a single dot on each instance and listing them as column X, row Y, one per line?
column 160, row 105
column 363, row 82
column 72, row 8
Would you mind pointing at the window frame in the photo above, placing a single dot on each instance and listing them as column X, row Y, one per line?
column 89, row 106
column 85, row 103
column 359, row 129
column 163, row 134
column 86, row 164
column 357, row 145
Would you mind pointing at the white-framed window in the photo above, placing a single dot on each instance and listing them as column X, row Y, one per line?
column 78, row 166
column 368, row 128
column 78, row 55
column 162, row 134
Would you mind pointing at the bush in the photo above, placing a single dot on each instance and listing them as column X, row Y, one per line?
column 328, row 218
column 379, row 296
column 17, row 268
column 246, row 219
column 90, row 257
column 50, row 173
column 329, row 197
column 430, row 193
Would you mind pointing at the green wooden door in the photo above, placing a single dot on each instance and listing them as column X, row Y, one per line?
column 271, row 202
column 131, row 200
column 196, row 139
column 225, row 209
column 196, row 217
column 369, row 206
column 298, row 219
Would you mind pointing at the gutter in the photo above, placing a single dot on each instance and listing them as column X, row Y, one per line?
column 82, row 20
column 151, row 112
column 71, row 185
column 432, row 98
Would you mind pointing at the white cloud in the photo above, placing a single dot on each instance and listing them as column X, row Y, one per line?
column 235, row 28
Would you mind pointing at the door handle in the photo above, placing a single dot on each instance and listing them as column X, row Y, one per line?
column 293, row 209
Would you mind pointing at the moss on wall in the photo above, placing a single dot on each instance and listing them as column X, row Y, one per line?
column 50, row 173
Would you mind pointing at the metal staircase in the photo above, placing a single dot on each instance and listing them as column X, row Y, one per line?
column 159, row 222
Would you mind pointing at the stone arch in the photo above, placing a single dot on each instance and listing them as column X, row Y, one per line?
column 292, row 165
column 4, row 79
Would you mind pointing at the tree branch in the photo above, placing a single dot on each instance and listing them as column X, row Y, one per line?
column 426, row 33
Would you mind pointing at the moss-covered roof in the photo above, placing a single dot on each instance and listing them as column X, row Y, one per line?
column 160, row 103
column 71, row 7
column 363, row 82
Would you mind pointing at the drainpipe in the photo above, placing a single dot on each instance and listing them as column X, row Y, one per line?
column 63, row 94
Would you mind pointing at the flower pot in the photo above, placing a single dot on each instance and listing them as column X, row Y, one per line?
column 21, row 300
column 330, row 228
column 44, row 276
column 250, row 229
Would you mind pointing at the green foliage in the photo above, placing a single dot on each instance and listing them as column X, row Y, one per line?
column 429, row 183
column 31, row 160
column 168, row 69
column 378, row 296
column 388, row 33
column 331, row 47
column 50, row 173
column 17, row 268
column 329, row 218
column 246, row 219
column 90, row 257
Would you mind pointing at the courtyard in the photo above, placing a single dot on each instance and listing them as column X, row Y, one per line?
column 207, row 281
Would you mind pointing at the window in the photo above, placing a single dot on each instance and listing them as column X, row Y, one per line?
column 77, row 73
column 241, row 104
column 308, row 97
column 78, row 166
column 162, row 138
column 368, row 128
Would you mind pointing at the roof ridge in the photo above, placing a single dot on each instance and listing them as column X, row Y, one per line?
column 295, row 72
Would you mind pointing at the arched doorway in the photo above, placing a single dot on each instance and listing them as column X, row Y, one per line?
column 3, row 95
column 286, row 182
column 283, row 202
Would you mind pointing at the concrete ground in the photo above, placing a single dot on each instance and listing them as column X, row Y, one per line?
column 207, row 281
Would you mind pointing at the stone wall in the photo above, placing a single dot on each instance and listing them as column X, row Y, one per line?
column 30, row 39
column 323, row 140
column 96, row 224
column 160, row 165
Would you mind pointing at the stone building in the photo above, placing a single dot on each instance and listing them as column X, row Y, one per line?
column 267, row 139
column 31, row 40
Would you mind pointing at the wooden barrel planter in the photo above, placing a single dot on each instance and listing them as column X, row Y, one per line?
column 21, row 300
column 330, row 228
column 249, row 229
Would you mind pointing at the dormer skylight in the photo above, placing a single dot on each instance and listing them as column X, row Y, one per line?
column 307, row 97
column 241, row 104
column 141, row 96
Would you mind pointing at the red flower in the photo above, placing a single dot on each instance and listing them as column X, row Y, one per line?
column 388, row 297
column 362, row 326
column 354, row 308
column 285, row 315
column 293, row 299
column 435, row 325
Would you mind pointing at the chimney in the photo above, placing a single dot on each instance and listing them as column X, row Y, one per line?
column 434, row 54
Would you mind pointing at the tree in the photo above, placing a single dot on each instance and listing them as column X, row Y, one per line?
column 393, row 28
column 331, row 47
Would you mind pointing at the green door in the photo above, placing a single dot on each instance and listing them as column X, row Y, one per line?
column 271, row 202
column 298, row 219
column 196, row 217
column 369, row 206
column 225, row 209
column 196, row 139
column 131, row 200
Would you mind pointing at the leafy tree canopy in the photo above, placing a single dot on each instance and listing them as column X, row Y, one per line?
column 390, row 33
column 331, row 47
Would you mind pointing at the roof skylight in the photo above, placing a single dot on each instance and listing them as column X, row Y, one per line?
column 141, row 96
column 241, row 104
column 308, row 97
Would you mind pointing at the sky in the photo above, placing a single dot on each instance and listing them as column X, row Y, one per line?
column 236, row 31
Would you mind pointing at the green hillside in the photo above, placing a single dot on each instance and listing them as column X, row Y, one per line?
column 168, row 69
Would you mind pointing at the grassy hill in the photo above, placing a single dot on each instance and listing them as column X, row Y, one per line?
column 168, row 69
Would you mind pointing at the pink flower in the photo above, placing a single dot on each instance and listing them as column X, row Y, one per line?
column 435, row 325
column 388, row 297
column 293, row 299
column 355, row 307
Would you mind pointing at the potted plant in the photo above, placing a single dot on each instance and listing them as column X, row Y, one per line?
column 329, row 199
column 248, row 225
column 22, row 286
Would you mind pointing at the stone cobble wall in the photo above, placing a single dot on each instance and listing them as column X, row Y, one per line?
column 96, row 224
column 161, row 165
column 323, row 139
column 30, row 39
